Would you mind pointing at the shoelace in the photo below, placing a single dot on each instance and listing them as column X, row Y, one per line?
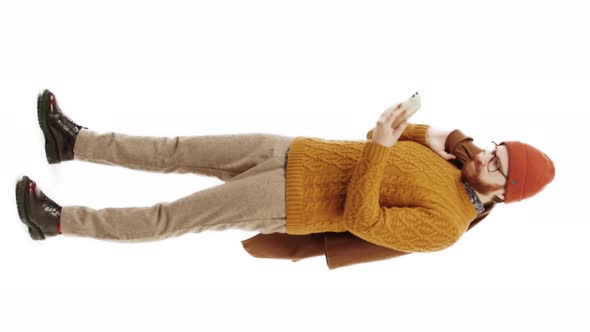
column 53, row 210
column 63, row 120
column 65, row 123
column 51, row 206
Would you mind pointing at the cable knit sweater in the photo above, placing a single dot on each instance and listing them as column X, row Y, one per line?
column 404, row 197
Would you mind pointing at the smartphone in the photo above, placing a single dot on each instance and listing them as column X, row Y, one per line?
column 411, row 105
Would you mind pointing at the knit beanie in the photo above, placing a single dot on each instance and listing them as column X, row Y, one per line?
column 529, row 171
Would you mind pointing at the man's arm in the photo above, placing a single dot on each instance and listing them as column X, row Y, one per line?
column 408, row 229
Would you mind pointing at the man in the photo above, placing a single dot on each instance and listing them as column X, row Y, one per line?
column 304, row 195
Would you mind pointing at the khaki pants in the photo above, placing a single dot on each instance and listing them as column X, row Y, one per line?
column 252, row 197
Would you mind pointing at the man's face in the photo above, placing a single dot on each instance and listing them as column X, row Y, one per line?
column 480, row 178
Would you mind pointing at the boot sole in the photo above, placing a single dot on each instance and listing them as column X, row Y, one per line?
column 42, row 115
column 21, row 198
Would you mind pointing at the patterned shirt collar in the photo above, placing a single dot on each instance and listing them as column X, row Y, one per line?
column 473, row 197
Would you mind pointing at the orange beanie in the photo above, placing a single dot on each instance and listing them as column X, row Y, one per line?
column 529, row 171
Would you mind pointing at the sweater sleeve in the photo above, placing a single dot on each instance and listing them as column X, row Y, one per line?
column 407, row 229
column 413, row 132
column 462, row 147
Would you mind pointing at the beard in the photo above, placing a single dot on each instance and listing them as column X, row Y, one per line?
column 474, row 179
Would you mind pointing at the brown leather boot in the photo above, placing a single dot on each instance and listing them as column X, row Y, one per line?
column 59, row 130
column 36, row 210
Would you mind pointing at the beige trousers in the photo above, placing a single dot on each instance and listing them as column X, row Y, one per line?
column 252, row 198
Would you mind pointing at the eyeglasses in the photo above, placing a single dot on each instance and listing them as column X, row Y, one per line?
column 494, row 164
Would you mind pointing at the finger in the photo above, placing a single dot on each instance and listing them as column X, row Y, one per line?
column 393, row 108
column 401, row 123
column 400, row 126
column 449, row 156
column 400, row 129
column 393, row 114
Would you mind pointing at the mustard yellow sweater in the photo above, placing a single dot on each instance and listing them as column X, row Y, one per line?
column 404, row 197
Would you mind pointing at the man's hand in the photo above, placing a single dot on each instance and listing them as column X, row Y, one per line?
column 384, row 134
column 436, row 139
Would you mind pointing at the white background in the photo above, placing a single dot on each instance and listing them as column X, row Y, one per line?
column 502, row 70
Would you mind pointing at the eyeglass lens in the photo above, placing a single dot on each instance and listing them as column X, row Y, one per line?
column 493, row 165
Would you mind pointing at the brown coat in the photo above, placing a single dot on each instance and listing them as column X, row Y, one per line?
column 342, row 249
